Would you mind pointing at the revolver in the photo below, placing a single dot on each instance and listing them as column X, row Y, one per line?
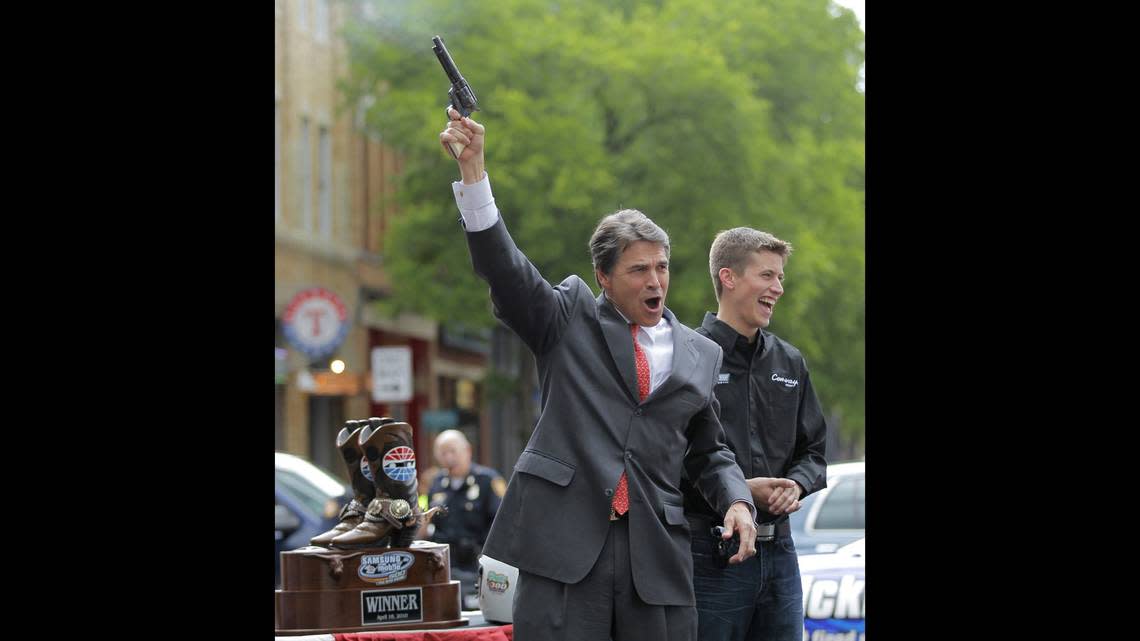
column 460, row 95
column 724, row 549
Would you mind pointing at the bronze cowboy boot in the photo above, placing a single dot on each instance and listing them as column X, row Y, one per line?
column 353, row 513
column 395, row 511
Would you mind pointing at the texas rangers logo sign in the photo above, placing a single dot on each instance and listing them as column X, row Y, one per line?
column 400, row 464
column 316, row 322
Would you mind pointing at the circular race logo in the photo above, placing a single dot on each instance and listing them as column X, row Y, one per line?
column 315, row 322
column 497, row 582
column 365, row 470
column 400, row 464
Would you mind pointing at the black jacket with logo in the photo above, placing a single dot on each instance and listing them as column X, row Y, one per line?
column 771, row 416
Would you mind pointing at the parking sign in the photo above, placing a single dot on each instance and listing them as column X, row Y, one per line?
column 391, row 374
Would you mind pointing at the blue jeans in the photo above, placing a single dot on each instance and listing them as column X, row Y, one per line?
column 760, row 599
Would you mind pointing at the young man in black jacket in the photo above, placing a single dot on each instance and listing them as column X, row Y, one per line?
column 776, row 429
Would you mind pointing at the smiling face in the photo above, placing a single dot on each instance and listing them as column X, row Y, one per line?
column 638, row 282
column 749, row 297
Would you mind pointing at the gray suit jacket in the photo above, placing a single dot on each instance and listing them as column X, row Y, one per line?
column 555, row 515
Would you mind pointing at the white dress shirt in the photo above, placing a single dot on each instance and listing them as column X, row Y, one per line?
column 657, row 343
column 476, row 204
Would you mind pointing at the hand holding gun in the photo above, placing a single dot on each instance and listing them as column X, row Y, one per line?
column 461, row 97
column 725, row 548
column 470, row 137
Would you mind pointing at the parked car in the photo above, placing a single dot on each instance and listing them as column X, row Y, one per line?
column 835, row 515
column 835, row 593
column 307, row 501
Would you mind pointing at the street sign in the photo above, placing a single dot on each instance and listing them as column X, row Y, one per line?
column 391, row 374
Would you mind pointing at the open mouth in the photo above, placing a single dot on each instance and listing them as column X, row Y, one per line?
column 767, row 303
column 654, row 304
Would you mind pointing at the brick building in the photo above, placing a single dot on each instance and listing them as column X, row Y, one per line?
column 331, row 177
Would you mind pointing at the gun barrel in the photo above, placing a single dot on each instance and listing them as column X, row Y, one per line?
column 445, row 59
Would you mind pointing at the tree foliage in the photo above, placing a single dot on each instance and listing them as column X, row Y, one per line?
column 705, row 116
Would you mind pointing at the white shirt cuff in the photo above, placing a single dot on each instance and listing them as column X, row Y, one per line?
column 476, row 204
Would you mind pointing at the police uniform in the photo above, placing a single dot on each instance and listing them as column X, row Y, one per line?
column 471, row 504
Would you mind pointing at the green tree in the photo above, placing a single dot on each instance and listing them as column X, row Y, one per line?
column 705, row 116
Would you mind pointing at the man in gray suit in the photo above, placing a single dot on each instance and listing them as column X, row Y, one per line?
column 593, row 515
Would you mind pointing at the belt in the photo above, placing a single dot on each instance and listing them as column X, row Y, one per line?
column 769, row 531
column 764, row 531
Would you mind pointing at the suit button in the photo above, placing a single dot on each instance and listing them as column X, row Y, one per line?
column 628, row 455
column 609, row 491
column 637, row 411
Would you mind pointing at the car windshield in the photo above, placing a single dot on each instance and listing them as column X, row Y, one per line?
column 844, row 507
column 305, row 482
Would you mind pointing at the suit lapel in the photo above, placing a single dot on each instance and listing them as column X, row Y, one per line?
column 620, row 341
column 684, row 357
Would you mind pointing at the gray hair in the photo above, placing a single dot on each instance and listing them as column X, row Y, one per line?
column 618, row 231
column 732, row 248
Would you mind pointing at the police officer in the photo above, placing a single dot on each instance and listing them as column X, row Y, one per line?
column 471, row 493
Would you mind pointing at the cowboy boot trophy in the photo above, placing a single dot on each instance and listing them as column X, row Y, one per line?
column 353, row 513
column 332, row 589
column 395, row 511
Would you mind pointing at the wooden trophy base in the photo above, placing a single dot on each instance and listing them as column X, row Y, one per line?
column 328, row 591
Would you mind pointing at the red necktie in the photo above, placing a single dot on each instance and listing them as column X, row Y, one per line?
column 621, row 494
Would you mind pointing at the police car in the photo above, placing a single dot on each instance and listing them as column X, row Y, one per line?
column 834, row 593
column 835, row 515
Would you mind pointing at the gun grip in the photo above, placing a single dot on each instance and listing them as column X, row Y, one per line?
column 454, row 148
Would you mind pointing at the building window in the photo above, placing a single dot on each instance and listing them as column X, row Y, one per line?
column 326, row 418
column 306, row 179
column 321, row 20
column 324, row 186
column 277, row 161
column 303, row 15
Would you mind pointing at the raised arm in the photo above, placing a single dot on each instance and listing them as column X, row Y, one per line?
column 522, row 299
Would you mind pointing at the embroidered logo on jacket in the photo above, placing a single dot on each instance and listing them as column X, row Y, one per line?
column 788, row 382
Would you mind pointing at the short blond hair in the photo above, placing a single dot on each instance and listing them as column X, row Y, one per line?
column 732, row 247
